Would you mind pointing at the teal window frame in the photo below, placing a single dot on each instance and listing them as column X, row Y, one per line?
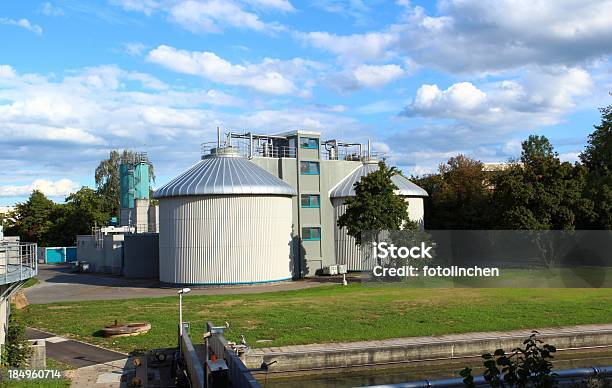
column 309, row 171
column 310, row 201
column 311, row 143
column 309, row 233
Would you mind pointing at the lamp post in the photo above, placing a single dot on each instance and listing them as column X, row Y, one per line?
column 180, row 293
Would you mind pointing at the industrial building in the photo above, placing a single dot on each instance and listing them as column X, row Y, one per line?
column 263, row 208
column 255, row 209
column 103, row 249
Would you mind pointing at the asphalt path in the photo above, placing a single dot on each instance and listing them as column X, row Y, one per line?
column 75, row 353
column 57, row 283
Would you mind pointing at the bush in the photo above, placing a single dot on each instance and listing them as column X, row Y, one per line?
column 16, row 349
column 522, row 367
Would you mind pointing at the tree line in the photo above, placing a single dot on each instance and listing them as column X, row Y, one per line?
column 48, row 223
column 534, row 192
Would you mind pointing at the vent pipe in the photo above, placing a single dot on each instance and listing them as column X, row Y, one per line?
column 218, row 137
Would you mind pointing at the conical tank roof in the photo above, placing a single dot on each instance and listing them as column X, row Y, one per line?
column 346, row 187
column 225, row 172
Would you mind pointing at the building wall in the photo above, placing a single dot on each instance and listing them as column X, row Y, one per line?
column 104, row 254
column 315, row 255
column 141, row 255
column 209, row 240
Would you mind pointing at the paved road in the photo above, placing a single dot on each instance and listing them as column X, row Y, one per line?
column 75, row 353
column 59, row 284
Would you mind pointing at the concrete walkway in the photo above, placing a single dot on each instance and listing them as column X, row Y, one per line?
column 74, row 353
column 58, row 284
column 412, row 349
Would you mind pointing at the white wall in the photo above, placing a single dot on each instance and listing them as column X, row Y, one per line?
column 225, row 239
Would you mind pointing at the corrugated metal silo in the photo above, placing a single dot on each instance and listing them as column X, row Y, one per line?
column 347, row 251
column 225, row 221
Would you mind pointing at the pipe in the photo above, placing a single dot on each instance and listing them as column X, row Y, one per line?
column 250, row 145
column 218, row 137
column 567, row 374
column 369, row 148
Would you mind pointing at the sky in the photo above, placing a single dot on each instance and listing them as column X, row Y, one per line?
column 423, row 80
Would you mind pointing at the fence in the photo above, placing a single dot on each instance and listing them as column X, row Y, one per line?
column 18, row 261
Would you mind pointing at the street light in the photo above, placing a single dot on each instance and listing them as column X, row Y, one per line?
column 180, row 293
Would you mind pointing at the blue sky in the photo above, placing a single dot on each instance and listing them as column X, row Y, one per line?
column 423, row 80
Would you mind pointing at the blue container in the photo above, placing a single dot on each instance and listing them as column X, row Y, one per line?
column 54, row 255
column 71, row 254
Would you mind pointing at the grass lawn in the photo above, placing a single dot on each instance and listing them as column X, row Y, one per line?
column 329, row 313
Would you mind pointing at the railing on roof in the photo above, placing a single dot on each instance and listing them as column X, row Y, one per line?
column 259, row 150
column 18, row 261
column 347, row 154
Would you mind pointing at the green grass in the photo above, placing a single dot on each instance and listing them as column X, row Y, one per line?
column 55, row 364
column 329, row 313
column 30, row 282
column 43, row 383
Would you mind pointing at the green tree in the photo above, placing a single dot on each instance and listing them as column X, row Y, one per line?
column 540, row 192
column 82, row 210
column 107, row 178
column 597, row 157
column 375, row 206
column 33, row 219
column 458, row 195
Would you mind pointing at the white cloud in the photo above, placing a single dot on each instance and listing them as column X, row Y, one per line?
column 49, row 9
column 59, row 188
column 23, row 23
column 473, row 36
column 134, row 48
column 277, row 5
column 6, row 71
column 541, row 98
column 364, row 76
column 356, row 48
column 269, row 76
column 212, row 16
column 376, row 76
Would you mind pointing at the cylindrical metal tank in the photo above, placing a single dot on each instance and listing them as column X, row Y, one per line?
column 225, row 221
column 141, row 180
column 347, row 251
column 126, row 186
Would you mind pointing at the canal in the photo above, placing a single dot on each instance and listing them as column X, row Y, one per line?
column 421, row 370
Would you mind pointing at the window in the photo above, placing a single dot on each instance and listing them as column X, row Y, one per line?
column 311, row 233
column 309, row 168
column 310, row 200
column 309, row 142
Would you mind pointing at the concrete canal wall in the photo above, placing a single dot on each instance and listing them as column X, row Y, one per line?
column 404, row 350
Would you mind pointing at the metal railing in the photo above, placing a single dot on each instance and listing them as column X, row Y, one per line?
column 259, row 150
column 194, row 367
column 18, row 261
column 239, row 374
